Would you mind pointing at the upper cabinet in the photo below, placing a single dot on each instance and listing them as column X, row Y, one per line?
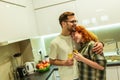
column 19, row 2
column 47, row 17
column 17, row 21
column 98, row 12
column 46, row 3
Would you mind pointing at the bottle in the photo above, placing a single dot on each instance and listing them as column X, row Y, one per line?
column 47, row 58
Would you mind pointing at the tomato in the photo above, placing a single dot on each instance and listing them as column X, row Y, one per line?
column 41, row 67
column 37, row 66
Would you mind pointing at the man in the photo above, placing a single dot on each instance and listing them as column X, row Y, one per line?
column 63, row 45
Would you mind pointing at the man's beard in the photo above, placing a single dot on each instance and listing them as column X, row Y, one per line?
column 72, row 30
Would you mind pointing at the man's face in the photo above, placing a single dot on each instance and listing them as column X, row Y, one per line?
column 71, row 23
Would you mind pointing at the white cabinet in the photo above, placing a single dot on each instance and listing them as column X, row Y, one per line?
column 54, row 75
column 14, row 22
column 111, row 73
column 119, row 72
column 45, row 3
column 19, row 2
column 91, row 13
column 47, row 17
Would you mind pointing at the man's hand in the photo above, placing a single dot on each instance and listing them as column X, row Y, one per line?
column 68, row 62
column 98, row 47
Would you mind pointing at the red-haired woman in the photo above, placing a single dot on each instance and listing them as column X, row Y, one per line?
column 91, row 66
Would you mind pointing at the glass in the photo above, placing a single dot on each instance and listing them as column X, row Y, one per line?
column 73, row 21
column 70, row 55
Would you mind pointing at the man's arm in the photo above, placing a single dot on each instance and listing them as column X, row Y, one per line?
column 98, row 47
column 58, row 62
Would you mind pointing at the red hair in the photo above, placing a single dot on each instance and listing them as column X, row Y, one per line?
column 87, row 35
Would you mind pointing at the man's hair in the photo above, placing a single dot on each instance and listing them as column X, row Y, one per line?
column 64, row 16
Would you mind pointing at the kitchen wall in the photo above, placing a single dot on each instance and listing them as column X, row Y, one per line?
column 6, row 53
column 8, row 63
column 41, row 43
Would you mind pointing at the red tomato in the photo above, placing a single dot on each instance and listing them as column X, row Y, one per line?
column 37, row 66
column 41, row 67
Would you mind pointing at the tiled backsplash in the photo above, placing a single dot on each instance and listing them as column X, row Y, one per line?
column 111, row 49
column 43, row 44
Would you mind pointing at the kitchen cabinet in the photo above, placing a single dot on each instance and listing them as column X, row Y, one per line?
column 57, row 76
column 111, row 73
column 16, row 23
column 19, row 2
column 54, row 75
column 91, row 13
column 45, row 3
column 47, row 17
column 118, row 72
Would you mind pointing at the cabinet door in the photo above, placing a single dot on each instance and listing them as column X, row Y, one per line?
column 56, row 74
column 47, row 17
column 44, row 3
column 111, row 73
column 19, row 2
column 14, row 23
column 52, row 77
column 91, row 13
column 119, row 72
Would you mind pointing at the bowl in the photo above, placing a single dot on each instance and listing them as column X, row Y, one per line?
column 44, row 69
column 43, row 66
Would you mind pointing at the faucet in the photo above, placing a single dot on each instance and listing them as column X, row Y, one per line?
column 117, row 48
column 109, row 41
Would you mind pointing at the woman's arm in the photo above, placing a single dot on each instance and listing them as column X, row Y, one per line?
column 91, row 63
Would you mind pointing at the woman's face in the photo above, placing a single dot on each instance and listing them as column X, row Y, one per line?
column 77, row 37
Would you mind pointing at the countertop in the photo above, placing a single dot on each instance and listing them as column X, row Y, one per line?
column 46, row 75
column 40, row 76
column 117, row 63
column 113, row 60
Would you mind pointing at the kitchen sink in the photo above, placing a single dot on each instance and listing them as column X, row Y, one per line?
column 113, row 58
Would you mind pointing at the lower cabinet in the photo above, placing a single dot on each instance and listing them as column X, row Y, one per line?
column 113, row 73
column 119, row 72
column 54, row 76
column 51, row 77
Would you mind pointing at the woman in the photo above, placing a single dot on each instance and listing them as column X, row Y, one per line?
column 91, row 66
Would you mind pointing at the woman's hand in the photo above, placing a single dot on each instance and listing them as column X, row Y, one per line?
column 98, row 48
column 78, row 56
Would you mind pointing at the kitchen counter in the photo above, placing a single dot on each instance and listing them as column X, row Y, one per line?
column 46, row 75
column 40, row 76
column 113, row 60
column 117, row 63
